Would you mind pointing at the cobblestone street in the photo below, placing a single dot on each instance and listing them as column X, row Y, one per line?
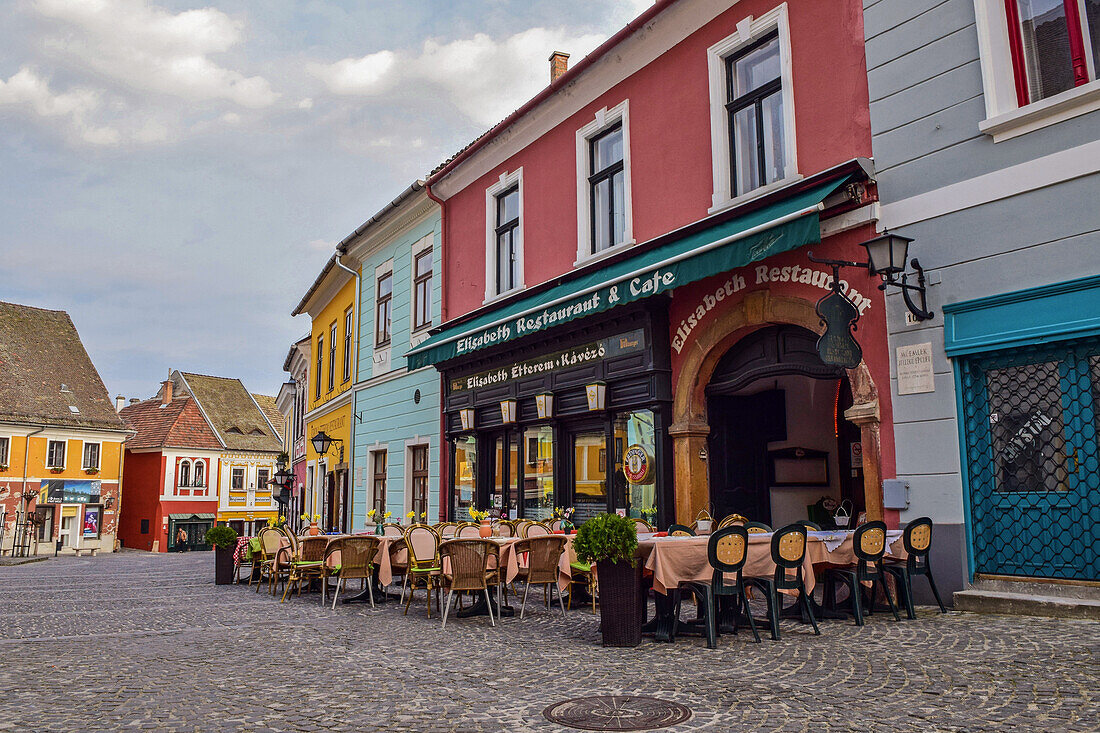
column 145, row 641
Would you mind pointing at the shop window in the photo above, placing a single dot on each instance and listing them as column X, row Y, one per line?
column 320, row 363
column 184, row 474
column 1055, row 45
column 5, row 446
column 200, row 473
column 45, row 523
column 422, row 290
column 538, row 473
column 465, row 474
column 420, row 481
column 752, row 111
column 332, row 357
column 91, row 456
column 348, row 327
column 635, row 464
column 145, row 526
column 379, row 460
column 55, row 454
column 504, row 235
column 383, row 311
column 603, row 171
column 589, row 474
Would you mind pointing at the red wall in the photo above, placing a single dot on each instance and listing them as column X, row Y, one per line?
column 141, row 487
column 671, row 177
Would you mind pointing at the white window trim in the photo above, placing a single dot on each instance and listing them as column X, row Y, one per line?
column 64, row 452
column 424, row 243
column 194, row 476
column 6, row 458
column 98, row 456
column 179, row 472
column 506, row 181
column 417, row 441
column 749, row 29
column 604, row 118
column 1005, row 119
column 372, row 499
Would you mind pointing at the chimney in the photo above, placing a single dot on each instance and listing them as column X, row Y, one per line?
column 134, row 400
column 559, row 62
column 120, row 402
column 166, row 393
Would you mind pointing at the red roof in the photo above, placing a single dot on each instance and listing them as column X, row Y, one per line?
column 179, row 424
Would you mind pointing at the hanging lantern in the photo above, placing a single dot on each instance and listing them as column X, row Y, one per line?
column 466, row 417
column 544, row 403
column 597, row 395
column 508, row 411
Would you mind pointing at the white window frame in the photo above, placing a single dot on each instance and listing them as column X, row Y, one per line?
column 195, row 474
column 416, row 336
column 506, row 181
column 98, row 454
column 179, row 474
column 380, row 355
column 64, row 452
column 417, row 441
column 1005, row 119
column 749, row 30
column 5, row 456
column 604, row 119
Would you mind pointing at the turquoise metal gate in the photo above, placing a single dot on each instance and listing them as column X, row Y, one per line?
column 1030, row 419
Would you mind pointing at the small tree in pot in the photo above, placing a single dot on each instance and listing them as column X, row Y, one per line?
column 224, row 541
column 610, row 541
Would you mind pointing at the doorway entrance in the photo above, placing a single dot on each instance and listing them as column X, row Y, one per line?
column 780, row 449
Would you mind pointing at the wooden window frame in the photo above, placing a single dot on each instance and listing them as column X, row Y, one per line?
column 383, row 322
column 419, row 500
column 5, row 450
column 320, row 364
column 379, row 479
column 64, row 453
column 196, row 465
column 232, row 476
column 181, row 481
column 422, row 290
column 98, row 455
column 332, row 330
column 349, row 327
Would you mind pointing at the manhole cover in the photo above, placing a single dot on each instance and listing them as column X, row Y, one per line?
column 617, row 712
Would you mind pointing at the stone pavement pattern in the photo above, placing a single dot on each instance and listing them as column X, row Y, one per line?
column 141, row 641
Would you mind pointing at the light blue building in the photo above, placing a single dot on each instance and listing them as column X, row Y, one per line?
column 985, row 117
column 395, row 416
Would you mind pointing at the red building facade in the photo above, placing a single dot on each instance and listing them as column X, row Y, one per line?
column 633, row 246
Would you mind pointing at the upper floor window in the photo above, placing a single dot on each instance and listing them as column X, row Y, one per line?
column 379, row 479
column 422, row 289
column 383, row 311
column 507, row 234
column 5, row 446
column 320, row 361
column 55, row 454
column 236, row 479
column 200, row 473
column 348, row 327
column 1055, row 45
column 184, row 474
column 605, row 181
column 332, row 357
column 603, row 193
column 262, row 477
column 91, row 455
column 504, row 235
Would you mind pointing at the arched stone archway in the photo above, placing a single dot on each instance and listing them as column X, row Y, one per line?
column 690, row 428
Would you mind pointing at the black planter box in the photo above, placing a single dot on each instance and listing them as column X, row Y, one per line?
column 622, row 603
column 223, row 566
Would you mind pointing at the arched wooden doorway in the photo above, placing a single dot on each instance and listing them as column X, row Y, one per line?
column 690, row 426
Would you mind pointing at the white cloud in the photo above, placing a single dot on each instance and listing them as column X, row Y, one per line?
column 148, row 48
column 484, row 77
column 29, row 91
column 322, row 245
column 306, row 103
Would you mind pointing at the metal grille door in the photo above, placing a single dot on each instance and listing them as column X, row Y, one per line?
column 1031, row 418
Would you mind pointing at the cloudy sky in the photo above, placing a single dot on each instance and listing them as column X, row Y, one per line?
column 175, row 174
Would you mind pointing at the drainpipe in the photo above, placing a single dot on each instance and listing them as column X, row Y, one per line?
column 350, row 460
column 26, row 457
column 444, row 446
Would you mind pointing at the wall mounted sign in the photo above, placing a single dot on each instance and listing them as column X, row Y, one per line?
column 71, row 492
column 915, row 369
column 624, row 343
column 837, row 345
column 637, row 464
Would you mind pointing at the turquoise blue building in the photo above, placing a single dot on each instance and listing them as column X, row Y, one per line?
column 395, row 416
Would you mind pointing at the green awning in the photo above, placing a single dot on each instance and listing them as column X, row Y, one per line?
column 190, row 517
column 782, row 226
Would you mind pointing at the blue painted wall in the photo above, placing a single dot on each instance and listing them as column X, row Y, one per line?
column 388, row 417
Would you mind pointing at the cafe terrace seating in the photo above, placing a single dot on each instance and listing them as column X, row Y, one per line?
column 470, row 565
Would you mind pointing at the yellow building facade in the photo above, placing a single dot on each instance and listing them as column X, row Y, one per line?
column 330, row 304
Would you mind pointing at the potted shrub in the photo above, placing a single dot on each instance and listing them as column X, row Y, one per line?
column 610, row 541
column 224, row 541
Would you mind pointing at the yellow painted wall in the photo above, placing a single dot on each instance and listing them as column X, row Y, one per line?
column 110, row 458
column 332, row 312
column 337, row 424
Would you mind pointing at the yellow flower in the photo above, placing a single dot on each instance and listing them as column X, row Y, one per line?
column 387, row 515
column 423, row 515
column 316, row 517
column 371, row 513
column 410, row 515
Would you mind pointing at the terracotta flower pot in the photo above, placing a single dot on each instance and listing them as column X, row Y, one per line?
column 314, row 530
column 486, row 529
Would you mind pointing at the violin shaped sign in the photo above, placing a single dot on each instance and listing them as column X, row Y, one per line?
column 837, row 345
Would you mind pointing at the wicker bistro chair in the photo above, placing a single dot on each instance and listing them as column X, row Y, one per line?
column 356, row 561
column 727, row 551
column 732, row 519
column 758, row 527
column 446, row 529
column 468, row 530
column 641, row 526
column 469, row 571
column 869, row 544
column 271, row 541
column 506, row 528
column 788, row 551
column 425, row 565
column 544, row 554
column 554, row 524
column 309, row 564
column 680, row 530
column 535, row 529
column 918, row 543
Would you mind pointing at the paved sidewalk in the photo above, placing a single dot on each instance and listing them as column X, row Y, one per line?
column 143, row 641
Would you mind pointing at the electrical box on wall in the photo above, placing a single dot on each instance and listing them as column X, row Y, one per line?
column 895, row 494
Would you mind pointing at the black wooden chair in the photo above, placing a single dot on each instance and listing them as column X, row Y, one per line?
column 727, row 551
column 918, row 543
column 788, row 553
column 869, row 544
column 680, row 530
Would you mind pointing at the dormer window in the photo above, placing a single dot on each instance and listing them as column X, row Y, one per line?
column 234, row 430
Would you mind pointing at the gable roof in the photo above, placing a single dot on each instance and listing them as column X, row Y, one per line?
column 178, row 424
column 46, row 375
column 235, row 416
column 271, row 412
